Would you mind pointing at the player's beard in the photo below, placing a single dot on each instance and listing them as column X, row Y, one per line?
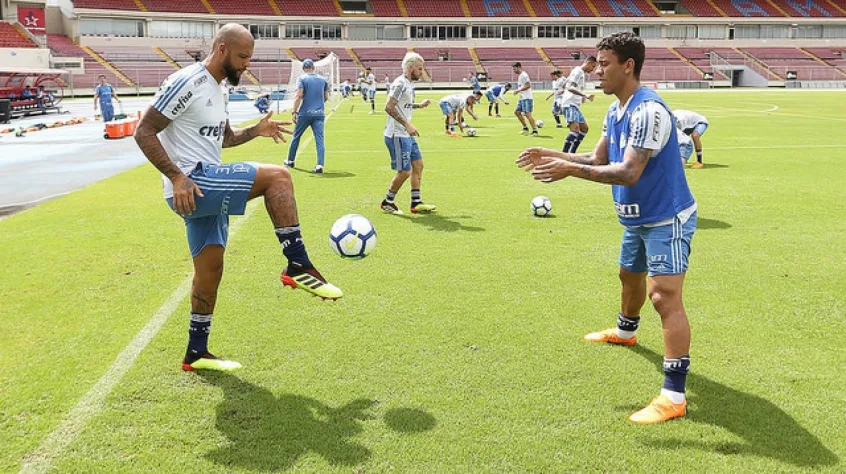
column 232, row 74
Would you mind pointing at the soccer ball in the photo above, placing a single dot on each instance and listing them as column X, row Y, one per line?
column 541, row 206
column 352, row 236
column 539, row 123
column 471, row 132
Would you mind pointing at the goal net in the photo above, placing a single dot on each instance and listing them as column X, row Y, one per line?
column 328, row 67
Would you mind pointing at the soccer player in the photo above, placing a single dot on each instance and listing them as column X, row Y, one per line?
column 495, row 95
column 387, row 83
column 693, row 125
column 639, row 156
column 571, row 103
column 453, row 107
column 474, row 83
column 103, row 95
column 685, row 144
column 181, row 134
column 399, row 134
column 345, row 88
column 312, row 92
column 558, row 94
column 263, row 103
column 525, row 105
column 370, row 83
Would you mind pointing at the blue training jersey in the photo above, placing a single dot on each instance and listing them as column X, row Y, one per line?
column 496, row 90
column 313, row 86
column 474, row 81
column 105, row 91
column 662, row 190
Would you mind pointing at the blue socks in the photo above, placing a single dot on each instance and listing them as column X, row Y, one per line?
column 627, row 327
column 198, row 333
column 675, row 375
column 293, row 247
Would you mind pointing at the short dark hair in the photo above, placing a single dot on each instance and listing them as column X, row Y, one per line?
column 626, row 45
column 101, row 75
column 508, row 85
column 477, row 93
column 555, row 72
column 367, row 69
column 591, row 59
column 517, row 64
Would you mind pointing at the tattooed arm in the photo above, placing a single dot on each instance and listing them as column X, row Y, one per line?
column 146, row 137
column 626, row 173
column 238, row 136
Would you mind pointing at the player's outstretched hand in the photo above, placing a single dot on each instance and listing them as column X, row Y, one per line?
column 425, row 103
column 552, row 170
column 530, row 158
column 183, row 195
column 272, row 128
column 590, row 98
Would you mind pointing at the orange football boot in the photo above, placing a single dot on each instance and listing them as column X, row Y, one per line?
column 610, row 336
column 659, row 409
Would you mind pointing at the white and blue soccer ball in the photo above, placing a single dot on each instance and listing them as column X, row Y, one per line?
column 471, row 132
column 541, row 206
column 539, row 123
column 352, row 236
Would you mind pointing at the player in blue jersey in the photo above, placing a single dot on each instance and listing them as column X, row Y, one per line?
column 495, row 95
column 182, row 133
column 312, row 92
column 262, row 103
column 103, row 95
column 638, row 155
column 475, row 84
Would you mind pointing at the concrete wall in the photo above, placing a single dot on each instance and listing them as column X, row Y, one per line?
column 25, row 57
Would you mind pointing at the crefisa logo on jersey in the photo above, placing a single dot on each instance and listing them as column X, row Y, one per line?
column 215, row 131
column 180, row 104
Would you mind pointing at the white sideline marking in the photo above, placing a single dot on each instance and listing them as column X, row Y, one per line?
column 40, row 459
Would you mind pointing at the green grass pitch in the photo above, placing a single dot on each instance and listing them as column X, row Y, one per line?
column 457, row 347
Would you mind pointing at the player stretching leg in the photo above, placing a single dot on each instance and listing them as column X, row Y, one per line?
column 182, row 134
column 524, row 106
column 571, row 102
column 406, row 159
column 654, row 204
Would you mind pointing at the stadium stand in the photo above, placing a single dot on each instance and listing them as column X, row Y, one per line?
column 781, row 60
column 386, row 8
column 428, row 8
column 254, row 7
column 618, row 8
column 114, row 5
column 497, row 8
column 11, row 37
column 565, row 8
column 181, row 6
column 308, row 7
column 63, row 46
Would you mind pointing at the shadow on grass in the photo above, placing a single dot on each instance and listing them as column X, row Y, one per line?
column 767, row 431
column 325, row 174
column 440, row 222
column 702, row 223
column 269, row 433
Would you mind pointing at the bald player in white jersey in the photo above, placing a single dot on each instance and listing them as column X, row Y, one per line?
column 399, row 134
column 693, row 125
column 182, row 133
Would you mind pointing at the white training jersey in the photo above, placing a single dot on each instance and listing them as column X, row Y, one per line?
column 456, row 101
column 522, row 80
column 370, row 81
column 688, row 119
column 403, row 91
column 577, row 80
column 558, row 89
column 682, row 137
column 198, row 109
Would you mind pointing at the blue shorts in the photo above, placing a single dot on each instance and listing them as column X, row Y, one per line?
column 372, row 93
column 699, row 128
column 525, row 105
column 225, row 192
column 662, row 250
column 686, row 149
column 403, row 151
column 572, row 114
column 445, row 108
column 490, row 96
column 108, row 111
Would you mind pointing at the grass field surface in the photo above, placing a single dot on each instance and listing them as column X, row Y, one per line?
column 458, row 345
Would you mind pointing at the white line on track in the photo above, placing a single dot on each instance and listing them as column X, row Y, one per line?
column 93, row 402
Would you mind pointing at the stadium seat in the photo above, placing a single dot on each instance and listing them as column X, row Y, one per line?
column 625, row 8
column 497, row 8
column 385, row 8
column 243, row 7
column 11, row 37
column 107, row 4
column 437, row 9
column 181, row 6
